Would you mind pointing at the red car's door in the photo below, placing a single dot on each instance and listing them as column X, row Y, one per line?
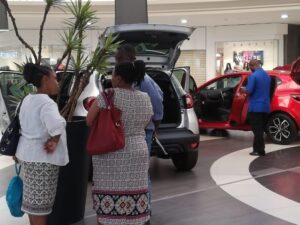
column 239, row 108
column 221, row 104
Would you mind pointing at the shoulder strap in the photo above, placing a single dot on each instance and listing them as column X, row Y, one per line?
column 18, row 110
column 108, row 95
column 17, row 168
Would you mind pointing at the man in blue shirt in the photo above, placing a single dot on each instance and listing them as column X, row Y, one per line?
column 258, row 88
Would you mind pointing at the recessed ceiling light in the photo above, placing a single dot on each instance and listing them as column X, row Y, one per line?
column 284, row 16
column 184, row 21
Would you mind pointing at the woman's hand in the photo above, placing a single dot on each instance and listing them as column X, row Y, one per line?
column 15, row 159
column 243, row 90
column 51, row 144
column 92, row 114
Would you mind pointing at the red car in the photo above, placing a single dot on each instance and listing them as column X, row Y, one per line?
column 221, row 104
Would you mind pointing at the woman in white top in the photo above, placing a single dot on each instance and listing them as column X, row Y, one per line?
column 42, row 146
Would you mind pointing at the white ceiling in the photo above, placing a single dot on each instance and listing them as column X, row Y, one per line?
column 197, row 12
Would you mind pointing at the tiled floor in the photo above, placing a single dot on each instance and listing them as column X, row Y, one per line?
column 228, row 186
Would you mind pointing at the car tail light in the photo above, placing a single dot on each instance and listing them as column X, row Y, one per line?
column 188, row 101
column 194, row 145
column 296, row 97
column 87, row 102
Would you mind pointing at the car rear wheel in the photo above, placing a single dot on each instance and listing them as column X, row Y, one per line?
column 185, row 161
column 281, row 129
column 203, row 131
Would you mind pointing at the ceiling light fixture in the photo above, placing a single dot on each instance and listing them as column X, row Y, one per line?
column 284, row 16
column 184, row 21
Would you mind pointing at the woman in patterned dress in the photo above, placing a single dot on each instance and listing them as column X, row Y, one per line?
column 120, row 180
column 42, row 147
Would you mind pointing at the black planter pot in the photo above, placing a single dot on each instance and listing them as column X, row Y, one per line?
column 71, row 193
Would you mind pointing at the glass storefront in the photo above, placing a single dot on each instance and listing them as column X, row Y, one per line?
column 235, row 56
column 11, row 55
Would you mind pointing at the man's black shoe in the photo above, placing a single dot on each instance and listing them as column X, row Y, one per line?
column 257, row 154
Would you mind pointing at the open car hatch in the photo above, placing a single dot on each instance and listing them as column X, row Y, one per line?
column 157, row 45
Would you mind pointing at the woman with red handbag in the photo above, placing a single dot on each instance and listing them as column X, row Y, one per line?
column 120, row 179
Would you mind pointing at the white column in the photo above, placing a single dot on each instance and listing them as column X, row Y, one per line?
column 210, row 53
column 281, row 51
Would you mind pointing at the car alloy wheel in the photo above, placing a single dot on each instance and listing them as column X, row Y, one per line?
column 281, row 129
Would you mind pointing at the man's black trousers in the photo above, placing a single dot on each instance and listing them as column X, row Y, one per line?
column 258, row 121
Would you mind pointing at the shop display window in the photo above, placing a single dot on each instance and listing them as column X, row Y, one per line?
column 19, row 54
column 235, row 56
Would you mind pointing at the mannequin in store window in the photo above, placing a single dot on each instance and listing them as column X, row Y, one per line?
column 260, row 63
column 228, row 68
column 246, row 66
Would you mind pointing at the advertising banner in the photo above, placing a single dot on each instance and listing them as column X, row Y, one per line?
column 240, row 58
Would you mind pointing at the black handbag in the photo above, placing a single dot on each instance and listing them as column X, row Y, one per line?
column 10, row 139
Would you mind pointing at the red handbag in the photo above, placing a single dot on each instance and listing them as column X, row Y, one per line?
column 107, row 133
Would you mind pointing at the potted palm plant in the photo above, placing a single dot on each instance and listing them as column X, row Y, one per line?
column 80, row 64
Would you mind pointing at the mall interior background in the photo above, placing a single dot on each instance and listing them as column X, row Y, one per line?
column 207, row 52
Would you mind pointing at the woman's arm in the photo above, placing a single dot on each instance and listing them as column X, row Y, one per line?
column 54, row 123
column 51, row 144
column 92, row 114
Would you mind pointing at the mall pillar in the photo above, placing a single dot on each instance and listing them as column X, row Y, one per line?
column 292, row 44
column 3, row 18
column 131, row 11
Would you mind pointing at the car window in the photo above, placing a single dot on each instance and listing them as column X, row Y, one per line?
column 180, row 75
column 192, row 86
column 13, row 89
column 177, row 86
column 277, row 81
column 225, row 82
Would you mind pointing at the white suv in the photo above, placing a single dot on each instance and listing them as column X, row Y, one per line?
column 159, row 47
